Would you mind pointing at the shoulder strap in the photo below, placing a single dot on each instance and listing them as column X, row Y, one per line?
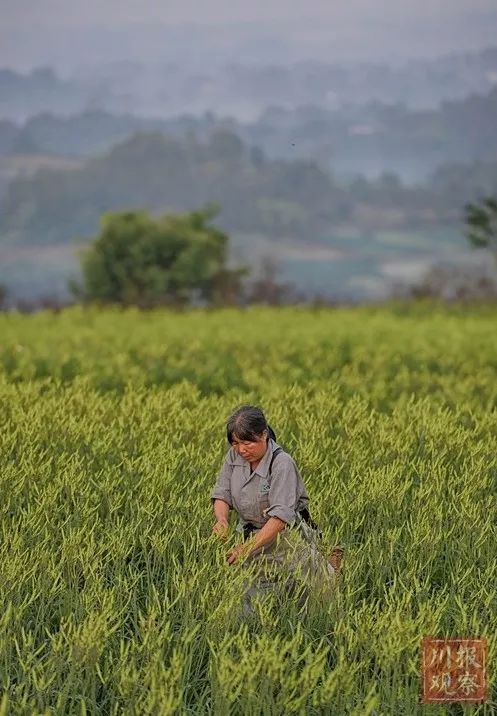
column 275, row 453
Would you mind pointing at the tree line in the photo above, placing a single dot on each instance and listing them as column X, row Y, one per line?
column 275, row 197
column 137, row 259
column 182, row 259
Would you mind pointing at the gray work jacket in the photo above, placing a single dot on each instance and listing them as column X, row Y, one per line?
column 257, row 496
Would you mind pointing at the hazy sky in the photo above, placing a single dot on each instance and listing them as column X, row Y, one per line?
column 15, row 13
column 45, row 31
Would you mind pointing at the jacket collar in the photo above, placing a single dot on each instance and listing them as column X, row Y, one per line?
column 262, row 468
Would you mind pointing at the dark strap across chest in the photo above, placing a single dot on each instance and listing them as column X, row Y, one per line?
column 275, row 454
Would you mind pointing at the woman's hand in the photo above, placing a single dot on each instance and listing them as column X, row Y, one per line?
column 265, row 536
column 238, row 552
column 221, row 529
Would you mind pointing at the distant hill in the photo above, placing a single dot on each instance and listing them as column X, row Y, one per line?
column 94, row 132
column 274, row 197
column 161, row 173
column 22, row 95
column 244, row 89
column 372, row 138
column 368, row 139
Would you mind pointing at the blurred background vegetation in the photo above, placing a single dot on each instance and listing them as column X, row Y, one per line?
column 336, row 180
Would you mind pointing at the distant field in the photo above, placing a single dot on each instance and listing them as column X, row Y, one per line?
column 114, row 597
column 354, row 267
column 345, row 266
column 37, row 272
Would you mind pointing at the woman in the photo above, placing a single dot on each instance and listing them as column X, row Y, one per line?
column 262, row 483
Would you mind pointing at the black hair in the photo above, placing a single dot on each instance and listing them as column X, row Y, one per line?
column 248, row 422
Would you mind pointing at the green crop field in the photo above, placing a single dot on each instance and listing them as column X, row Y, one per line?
column 115, row 597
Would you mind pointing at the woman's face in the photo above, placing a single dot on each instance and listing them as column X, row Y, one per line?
column 251, row 450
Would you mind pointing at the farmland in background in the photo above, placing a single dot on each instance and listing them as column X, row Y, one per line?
column 115, row 598
column 345, row 266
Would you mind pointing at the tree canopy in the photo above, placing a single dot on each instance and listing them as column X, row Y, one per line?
column 173, row 259
column 481, row 222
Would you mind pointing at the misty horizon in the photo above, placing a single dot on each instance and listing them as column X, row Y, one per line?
column 341, row 139
column 264, row 33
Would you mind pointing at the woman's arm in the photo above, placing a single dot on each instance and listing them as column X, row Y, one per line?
column 221, row 511
column 221, row 498
column 266, row 535
column 222, row 488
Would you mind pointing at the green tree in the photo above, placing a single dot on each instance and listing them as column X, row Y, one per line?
column 3, row 296
column 481, row 223
column 146, row 261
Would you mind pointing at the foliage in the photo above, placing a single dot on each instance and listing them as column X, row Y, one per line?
column 155, row 172
column 279, row 198
column 456, row 283
column 116, row 599
column 351, row 138
column 465, row 281
column 138, row 259
column 481, row 220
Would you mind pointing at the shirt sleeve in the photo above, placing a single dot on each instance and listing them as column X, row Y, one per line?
column 283, row 493
column 222, row 488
